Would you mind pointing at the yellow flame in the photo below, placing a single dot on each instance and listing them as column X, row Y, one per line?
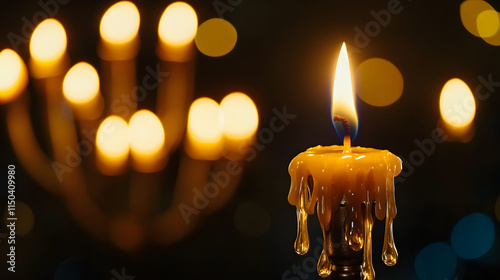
column 146, row 133
column 343, row 95
column 81, row 83
column 239, row 115
column 457, row 103
column 112, row 140
column 13, row 76
column 204, row 123
column 120, row 23
column 178, row 24
column 48, row 42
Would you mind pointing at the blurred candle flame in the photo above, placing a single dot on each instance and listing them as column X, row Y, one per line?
column 343, row 103
column 178, row 24
column 81, row 83
column 112, row 143
column 81, row 89
column 240, row 117
column 147, row 139
column 204, row 130
column 457, row 103
column 120, row 23
column 458, row 108
column 48, row 42
column 13, row 76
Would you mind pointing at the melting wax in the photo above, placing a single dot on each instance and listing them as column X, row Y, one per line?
column 361, row 179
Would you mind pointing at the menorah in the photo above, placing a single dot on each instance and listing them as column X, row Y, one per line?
column 104, row 157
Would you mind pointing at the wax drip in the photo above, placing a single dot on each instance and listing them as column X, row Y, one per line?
column 324, row 266
column 354, row 229
column 389, row 252
column 302, row 241
column 367, row 270
column 367, row 190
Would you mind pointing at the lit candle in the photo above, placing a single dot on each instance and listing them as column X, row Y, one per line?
column 112, row 145
column 48, row 50
column 457, row 107
column 176, row 31
column 240, row 121
column 118, row 48
column 359, row 179
column 204, row 130
column 147, row 140
column 81, row 89
column 13, row 83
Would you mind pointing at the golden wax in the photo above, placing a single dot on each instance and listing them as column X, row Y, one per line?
column 361, row 179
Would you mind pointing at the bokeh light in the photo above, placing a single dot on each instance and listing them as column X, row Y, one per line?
column 204, row 130
column 457, row 103
column 48, row 42
column 204, row 122
column 81, row 83
column 488, row 23
column 120, row 23
column 178, row 24
column 436, row 261
column 216, row 37
column 469, row 12
column 251, row 219
column 112, row 138
column 146, row 133
column 378, row 82
column 473, row 236
column 25, row 218
column 13, row 76
column 239, row 115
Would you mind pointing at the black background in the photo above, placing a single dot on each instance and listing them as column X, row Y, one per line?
column 284, row 57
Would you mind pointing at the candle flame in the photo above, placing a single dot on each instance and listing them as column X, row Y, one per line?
column 178, row 24
column 81, row 83
column 343, row 95
column 48, row 42
column 239, row 115
column 204, row 129
column 120, row 23
column 112, row 145
column 13, row 76
column 146, row 133
column 457, row 104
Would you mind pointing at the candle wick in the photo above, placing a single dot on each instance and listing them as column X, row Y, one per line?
column 347, row 131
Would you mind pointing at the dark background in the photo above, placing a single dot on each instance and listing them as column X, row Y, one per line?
column 284, row 57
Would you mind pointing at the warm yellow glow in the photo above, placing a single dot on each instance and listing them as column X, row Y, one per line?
column 146, row 133
column 178, row 24
column 216, row 37
column 488, row 23
column 13, row 76
column 457, row 103
column 48, row 42
column 204, row 122
column 379, row 82
column 81, row 83
column 343, row 95
column 469, row 12
column 239, row 115
column 120, row 23
column 112, row 140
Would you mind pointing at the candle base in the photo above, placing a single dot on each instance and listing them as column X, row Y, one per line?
column 346, row 262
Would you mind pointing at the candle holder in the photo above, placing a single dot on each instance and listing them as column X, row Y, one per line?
column 110, row 177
